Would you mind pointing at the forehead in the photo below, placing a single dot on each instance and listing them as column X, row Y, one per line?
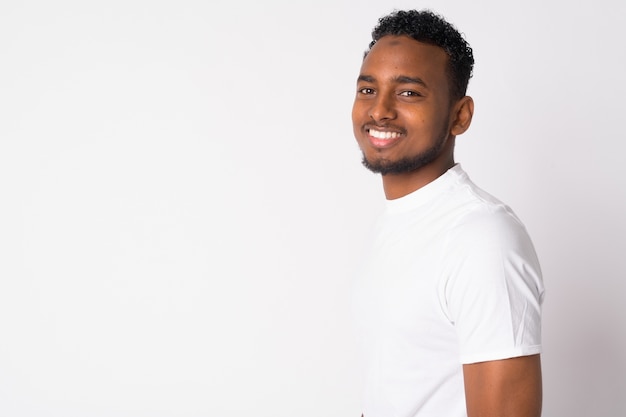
column 402, row 55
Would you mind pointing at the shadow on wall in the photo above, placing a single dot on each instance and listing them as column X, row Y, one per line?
column 585, row 320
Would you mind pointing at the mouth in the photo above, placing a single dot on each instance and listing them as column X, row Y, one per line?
column 382, row 138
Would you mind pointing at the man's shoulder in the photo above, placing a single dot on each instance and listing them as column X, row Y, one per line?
column 476, row 207
column 481, row 218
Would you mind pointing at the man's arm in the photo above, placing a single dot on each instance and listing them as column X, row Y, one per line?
column 504, row 388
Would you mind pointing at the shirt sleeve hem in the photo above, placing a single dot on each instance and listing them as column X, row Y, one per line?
column 500, row 354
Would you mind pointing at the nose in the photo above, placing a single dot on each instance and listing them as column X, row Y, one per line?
column 382, row 109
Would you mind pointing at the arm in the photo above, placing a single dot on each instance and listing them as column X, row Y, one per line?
column 504, row 388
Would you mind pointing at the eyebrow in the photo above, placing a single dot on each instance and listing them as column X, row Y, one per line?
column 403, row 79
column 400, row 79
column 366, row 78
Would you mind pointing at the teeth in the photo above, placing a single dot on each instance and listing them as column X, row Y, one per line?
column 383, row 135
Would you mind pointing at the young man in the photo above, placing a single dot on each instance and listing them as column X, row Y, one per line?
column 448, row 300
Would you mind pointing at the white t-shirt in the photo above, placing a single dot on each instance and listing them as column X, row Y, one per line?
column 451, row 277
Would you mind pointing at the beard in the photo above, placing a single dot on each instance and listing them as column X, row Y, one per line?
column 407, row 164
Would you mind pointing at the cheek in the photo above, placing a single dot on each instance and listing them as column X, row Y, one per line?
column 356, row 120
column 426, row 120
column 359, row 118
column 417, row 119
column 357, row 111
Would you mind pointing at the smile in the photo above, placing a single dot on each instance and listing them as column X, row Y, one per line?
column 383, row 135
column 380, row 139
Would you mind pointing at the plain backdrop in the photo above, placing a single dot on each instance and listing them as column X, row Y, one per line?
column 182, row 201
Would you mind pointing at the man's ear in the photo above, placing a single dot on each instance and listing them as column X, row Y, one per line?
column 462, row 116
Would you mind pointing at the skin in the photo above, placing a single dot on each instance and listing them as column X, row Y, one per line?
column 506, row 388
column 403, row 88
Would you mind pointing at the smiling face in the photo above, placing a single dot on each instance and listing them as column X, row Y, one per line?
column 403, row 116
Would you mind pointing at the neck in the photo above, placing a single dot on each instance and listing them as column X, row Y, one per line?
column 399, row 185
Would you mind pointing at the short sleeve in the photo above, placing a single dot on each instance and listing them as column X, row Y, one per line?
column 493, row 290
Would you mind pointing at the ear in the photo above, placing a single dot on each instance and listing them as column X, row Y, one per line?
column 462, row 115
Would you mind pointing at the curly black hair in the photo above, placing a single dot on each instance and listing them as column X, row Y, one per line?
column 428, row 27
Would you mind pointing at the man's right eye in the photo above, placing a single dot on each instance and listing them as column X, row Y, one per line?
column 366, row 90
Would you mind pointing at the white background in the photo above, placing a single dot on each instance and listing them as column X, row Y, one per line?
column 182, row 200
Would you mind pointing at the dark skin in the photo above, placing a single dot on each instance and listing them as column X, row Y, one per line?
column 506, row 388
column 403, row 89
column 403, row 110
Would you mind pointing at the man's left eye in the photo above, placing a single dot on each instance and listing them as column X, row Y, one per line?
column 410, row 94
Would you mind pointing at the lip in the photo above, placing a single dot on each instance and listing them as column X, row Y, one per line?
column 382, row 143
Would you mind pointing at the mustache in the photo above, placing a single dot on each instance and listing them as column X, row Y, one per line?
column 384, row 126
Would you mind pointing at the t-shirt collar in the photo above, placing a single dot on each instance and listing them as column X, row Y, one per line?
column 427, row 193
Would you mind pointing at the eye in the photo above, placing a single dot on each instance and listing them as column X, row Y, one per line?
column 366, row 91
column 410, row 93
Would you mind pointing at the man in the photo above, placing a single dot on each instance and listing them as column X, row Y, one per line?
column 448, row 300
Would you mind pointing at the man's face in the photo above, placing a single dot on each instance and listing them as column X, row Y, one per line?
column 402, row 110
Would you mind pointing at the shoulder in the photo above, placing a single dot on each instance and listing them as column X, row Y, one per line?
column 487, row 241
column 483, row 220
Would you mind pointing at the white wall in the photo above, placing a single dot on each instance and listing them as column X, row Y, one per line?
column 181, row 200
